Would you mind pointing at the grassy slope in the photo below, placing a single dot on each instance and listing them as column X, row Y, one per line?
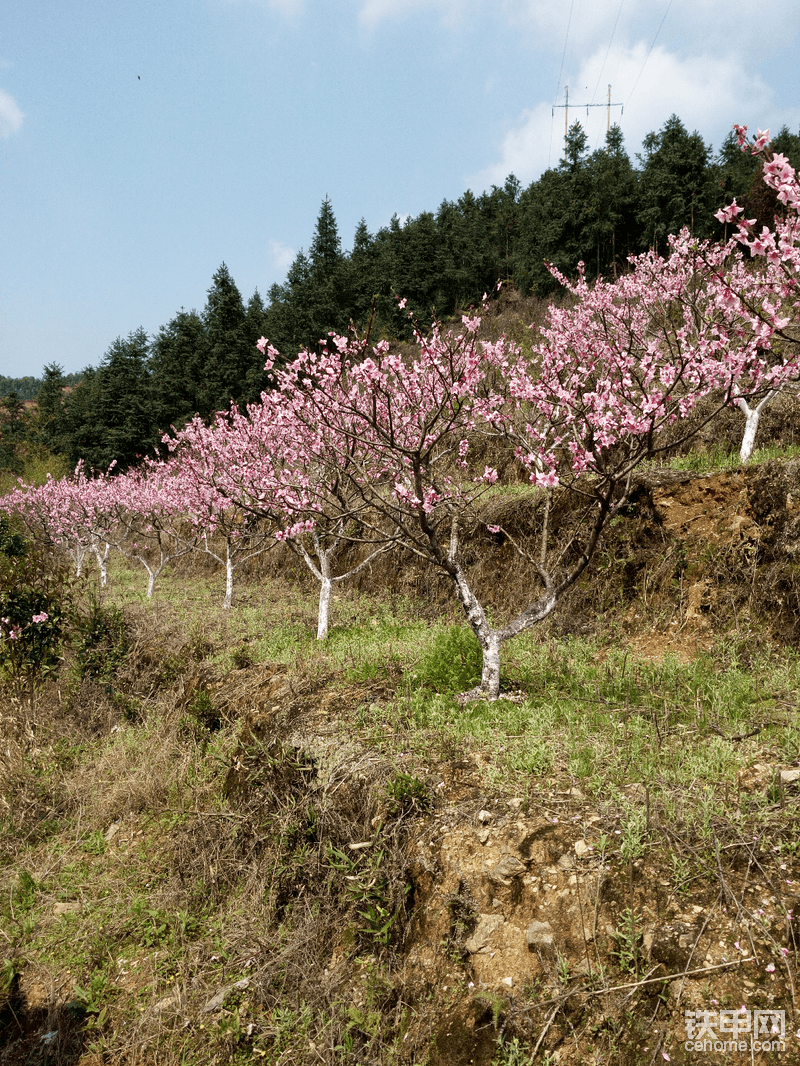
column 179, row 828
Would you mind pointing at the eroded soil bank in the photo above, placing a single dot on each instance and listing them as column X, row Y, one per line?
column 233, row 860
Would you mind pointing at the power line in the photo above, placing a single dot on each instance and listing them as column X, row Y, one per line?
column 563, row 54
column 669, row 5
column 565, row 105
column 616, row 20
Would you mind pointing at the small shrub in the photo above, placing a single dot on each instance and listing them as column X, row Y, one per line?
column 453, row 661
column 35, row 606
column 102, row 643
column 201, row 708
column 407, row 794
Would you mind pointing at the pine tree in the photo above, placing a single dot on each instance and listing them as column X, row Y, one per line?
column 326, row 304
column 16, row 431
column 229, row 356
column 178, row 358
column 676, row 187
column 51, row 402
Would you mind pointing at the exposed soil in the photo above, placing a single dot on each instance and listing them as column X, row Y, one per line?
column 519, row 917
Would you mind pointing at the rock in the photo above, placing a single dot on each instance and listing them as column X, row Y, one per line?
column 582, row 848
column 509, row 981
column 484, row 816
column 66, row 908
column 507, row 869
column 216, row 1002
column 539, row 935
column 671, row 944
column 482, row 835
column 488, row 924
column 788, row 777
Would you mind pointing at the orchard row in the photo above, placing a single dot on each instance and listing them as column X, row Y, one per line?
column 356, row 443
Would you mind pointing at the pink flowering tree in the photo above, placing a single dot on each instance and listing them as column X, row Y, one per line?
column 152, row 526
column 208, row 471
column 70, row 512
column 52, row 516
column 582, row 410
column 278, row 470
column 767, row 291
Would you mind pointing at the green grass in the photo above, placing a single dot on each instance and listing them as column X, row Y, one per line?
column 205, row 887
column 716, row 459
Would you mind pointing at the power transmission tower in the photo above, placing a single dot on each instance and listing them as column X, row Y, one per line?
column 565, row 105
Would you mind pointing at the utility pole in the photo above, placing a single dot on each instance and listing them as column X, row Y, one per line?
column 565, row 105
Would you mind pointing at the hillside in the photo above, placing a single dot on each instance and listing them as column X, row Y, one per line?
column 223, row 842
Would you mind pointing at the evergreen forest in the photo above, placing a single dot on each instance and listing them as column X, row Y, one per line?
column 597, row 207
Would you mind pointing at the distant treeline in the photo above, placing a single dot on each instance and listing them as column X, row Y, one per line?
column 27, row 388
column 596, row 207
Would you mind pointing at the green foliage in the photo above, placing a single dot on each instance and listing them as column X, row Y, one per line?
column 10, row 969
column 406, row 795
column 35, row 606
column 16, row 432
column 512, row 1053
column 368, row 888
column 628, row 938
column 101, row 643
column 676, row 186
column 452, row 663
column 12, row 545
column 24, row 893
column 89, row 997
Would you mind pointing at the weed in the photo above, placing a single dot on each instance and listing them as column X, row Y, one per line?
column 512, row 1053
column 10, row 969
column 95, row 843
column 241, row 657
column 90, row 997
column 633, row 827
column 102, row 643
column 202, row 710
column 628, row 937
column 407, row 794
column 24, row 894
column 452, row 663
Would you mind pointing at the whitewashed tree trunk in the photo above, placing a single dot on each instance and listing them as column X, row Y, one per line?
column 79, row 554
column 323, row 616
column 490, row 671
column 752, row 416
column 102, row 561
column 226, row 603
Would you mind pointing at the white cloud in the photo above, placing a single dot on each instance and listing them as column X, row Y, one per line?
column 707, row 93
column 282, row 256
column 10, row 115
column 592, row 21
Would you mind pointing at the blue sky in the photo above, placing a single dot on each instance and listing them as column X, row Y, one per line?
column 143, row 143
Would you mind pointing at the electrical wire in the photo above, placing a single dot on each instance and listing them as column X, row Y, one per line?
column 563, row 54
column 669, row 5
column 602, row 68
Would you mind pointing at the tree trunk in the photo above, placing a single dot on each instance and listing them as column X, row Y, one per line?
column 490, row 672
column 752, row 416
column 102, row 562
column 326, row 588
column 226, row 603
